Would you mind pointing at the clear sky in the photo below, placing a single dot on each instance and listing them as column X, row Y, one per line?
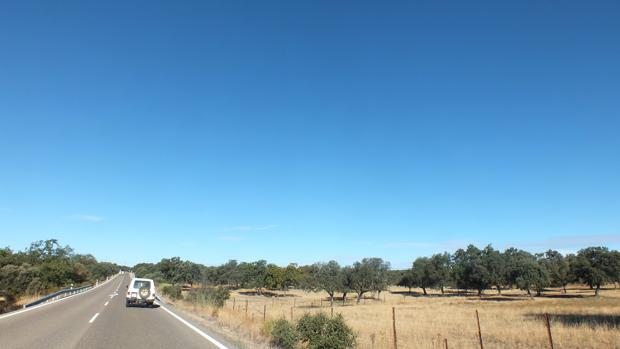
column 299, row 131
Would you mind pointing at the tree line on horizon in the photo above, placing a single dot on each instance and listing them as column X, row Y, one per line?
column 482, row 269
column 466, row 269
column 44, row 267
column 47, row 266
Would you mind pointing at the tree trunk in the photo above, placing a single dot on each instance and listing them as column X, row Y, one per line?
column 409, row 289
column 331, row 299
column 529, row 293
column 424, row 290
column 344, row 297
column 597, row 291
column 564, row 288
column 442, row 292
column 499, row 289
column 538, row 292
column 479, row 292
column 359, row 297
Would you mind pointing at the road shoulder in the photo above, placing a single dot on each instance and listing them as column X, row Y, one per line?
column 227, row 336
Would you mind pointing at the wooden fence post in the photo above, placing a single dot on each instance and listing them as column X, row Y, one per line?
column 445, row 342
column 394, row 327
column 291, row 314
column 234, row 300
column 549, row 331
column 479, row 331
column 246, row 308
column 332, row 311
column 264, row 312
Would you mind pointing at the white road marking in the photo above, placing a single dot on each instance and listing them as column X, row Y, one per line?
column 52, row 302
column 93, row 318
column 194, row 328
column 106, row 304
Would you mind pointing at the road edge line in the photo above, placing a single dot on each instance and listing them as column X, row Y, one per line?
column 194, row 328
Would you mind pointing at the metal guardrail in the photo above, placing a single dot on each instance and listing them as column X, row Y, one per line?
column 59, row 294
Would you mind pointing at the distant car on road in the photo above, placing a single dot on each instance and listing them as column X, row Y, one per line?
column 140, row 291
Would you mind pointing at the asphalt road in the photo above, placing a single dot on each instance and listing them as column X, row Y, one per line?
column 99, row 319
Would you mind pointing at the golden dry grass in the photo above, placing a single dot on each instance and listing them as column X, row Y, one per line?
column 512, row 320
column 25, row 300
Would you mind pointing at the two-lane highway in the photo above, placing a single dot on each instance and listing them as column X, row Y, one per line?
column 98, row 318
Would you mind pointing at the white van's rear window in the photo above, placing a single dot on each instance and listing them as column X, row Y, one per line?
column 140, row 284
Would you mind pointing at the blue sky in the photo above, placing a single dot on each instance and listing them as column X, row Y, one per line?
column 299, row 131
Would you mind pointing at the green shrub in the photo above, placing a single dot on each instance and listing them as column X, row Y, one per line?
column 320, row 332
column 284, row 334
column 35, row 287
column 174, row 292
column 216, row 296
column 213, row 296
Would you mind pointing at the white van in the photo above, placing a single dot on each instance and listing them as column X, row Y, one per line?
column 140, row 291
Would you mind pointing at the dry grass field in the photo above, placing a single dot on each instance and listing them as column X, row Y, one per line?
column 513, row 320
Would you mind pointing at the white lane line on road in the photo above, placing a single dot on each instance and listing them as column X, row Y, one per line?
column 106, row 304
column 117, row 287
column 93, row 318
column 52, row 302
column 194, row 328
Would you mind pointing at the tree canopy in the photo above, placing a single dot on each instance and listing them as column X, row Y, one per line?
column 46, row 266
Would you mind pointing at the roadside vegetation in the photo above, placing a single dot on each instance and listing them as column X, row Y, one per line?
column 312, row 331
column 431, row 303
column 365, row 304
column 467, row 270
column 44, row 267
